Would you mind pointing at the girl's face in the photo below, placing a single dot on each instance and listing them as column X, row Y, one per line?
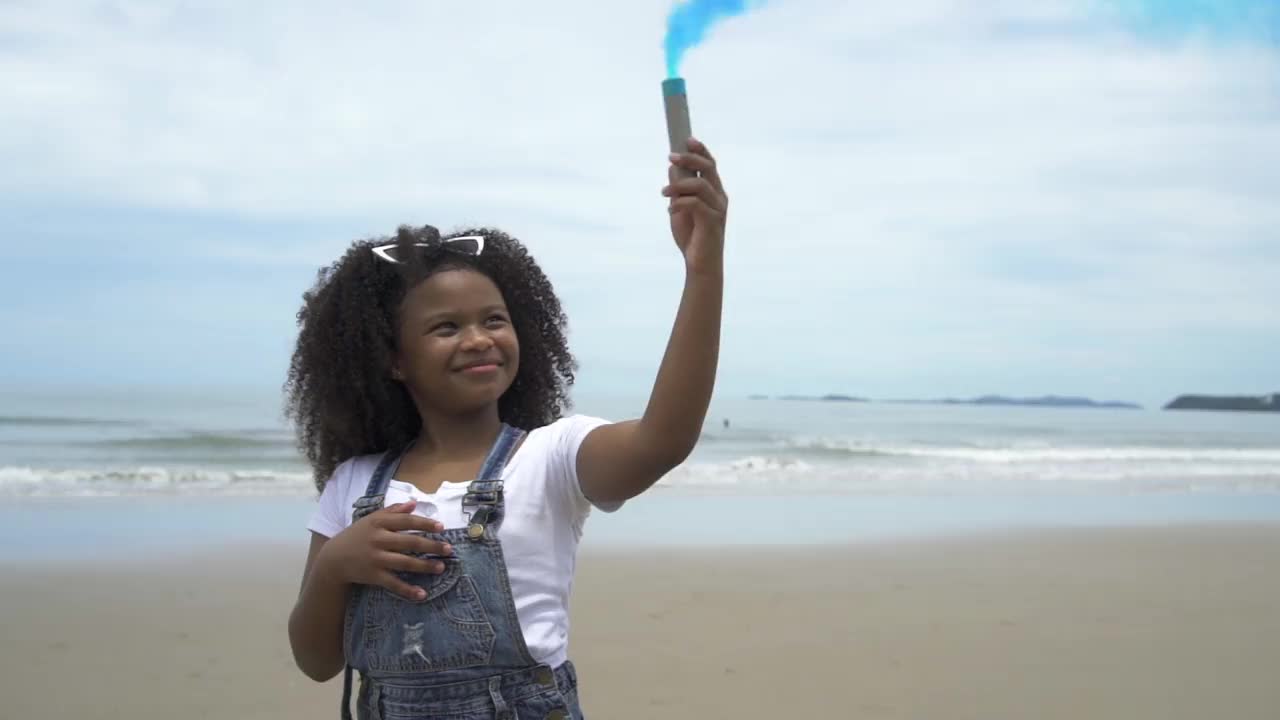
column 458, row 351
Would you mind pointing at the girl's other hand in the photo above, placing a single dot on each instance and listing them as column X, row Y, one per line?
column 377, row 546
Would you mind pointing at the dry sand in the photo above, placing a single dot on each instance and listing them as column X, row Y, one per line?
column 1120, row 623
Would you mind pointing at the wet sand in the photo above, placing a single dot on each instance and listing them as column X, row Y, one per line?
column 1178, row 622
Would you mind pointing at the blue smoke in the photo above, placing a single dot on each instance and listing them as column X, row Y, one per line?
column 1256, row 20
column 688, row 24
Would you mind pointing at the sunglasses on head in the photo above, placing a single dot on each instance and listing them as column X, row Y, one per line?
column 465, row 244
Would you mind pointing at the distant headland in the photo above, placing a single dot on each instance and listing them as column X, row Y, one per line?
column 1045, row 401
column 1242, row 403
column 1233, row 403
column 816, row 398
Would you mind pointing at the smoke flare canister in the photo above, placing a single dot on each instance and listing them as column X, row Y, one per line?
column 676, row 103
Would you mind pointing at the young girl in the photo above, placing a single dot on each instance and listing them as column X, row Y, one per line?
column 427, row 387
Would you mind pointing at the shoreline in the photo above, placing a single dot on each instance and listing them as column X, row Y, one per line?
column 1117, row 622
column 102, row 529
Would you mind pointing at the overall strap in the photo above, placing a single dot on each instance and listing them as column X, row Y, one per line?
column 346, row 693
column 500, row 453
column 484, row 494
column 375, row 493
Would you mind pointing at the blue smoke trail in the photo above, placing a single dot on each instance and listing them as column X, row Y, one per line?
column 688, row 24
column 1257, row 20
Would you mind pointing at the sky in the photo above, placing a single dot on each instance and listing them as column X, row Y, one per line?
column 928, row 197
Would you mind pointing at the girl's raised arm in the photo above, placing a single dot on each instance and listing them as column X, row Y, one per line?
column 621, row 460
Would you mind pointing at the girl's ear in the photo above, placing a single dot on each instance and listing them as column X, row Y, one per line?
column 396, row 374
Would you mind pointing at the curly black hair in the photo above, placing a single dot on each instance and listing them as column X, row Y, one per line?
column 339, row 392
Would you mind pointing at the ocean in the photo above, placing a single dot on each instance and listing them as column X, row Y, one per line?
column 809, row 471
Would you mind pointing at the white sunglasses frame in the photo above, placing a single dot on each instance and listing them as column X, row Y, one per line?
column 384, row 251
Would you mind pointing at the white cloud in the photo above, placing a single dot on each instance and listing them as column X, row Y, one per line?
column 993, row 185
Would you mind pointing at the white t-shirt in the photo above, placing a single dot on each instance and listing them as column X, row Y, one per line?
column 545, row 513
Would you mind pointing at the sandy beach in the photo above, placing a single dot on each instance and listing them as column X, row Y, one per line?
column 1178, row 622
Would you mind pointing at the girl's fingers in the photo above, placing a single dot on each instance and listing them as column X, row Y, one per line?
column 389, row 581
column 400, row 522
column 696, row 187
column 400, row 562
column 688, row 202
column 699, row 147
column 707, row 164
column 411, row 543
column 690, row 161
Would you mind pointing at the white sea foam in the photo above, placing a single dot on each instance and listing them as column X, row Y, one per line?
column 966, row 470
column 30, row 482
column 798, row 466
column 1032, row 452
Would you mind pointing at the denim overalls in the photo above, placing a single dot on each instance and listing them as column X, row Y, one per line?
column 458, row 654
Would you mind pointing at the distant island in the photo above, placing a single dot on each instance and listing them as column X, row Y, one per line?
column 1245, row 403
column 1044, row 401
column 824, row 398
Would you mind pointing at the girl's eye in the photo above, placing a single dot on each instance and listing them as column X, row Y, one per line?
column 444, row 328
column 496, row 320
